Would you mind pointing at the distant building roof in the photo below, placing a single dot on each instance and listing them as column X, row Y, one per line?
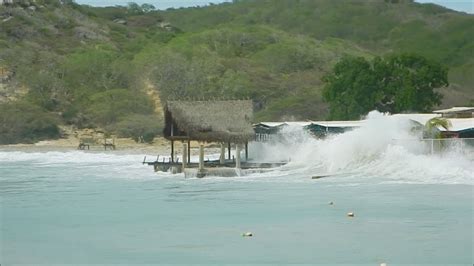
column 308, row 123
column 210, row 121
column 270, row 124
column 420, row 118
column 459, row 124
column 455, row 110
column 299, row 123
column 340, row 124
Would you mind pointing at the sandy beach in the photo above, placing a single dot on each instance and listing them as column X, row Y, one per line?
column 160, row 146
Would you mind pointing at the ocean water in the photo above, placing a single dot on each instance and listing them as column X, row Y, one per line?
column 411, row 207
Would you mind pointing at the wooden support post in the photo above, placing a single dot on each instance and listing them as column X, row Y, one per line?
column 246, row 151
column 201, row 172
column 201, row 156
column 172, row 151
column 189, row 151
column 185, row 155
column 222, row 157
column 237, row 156
column 228, row 150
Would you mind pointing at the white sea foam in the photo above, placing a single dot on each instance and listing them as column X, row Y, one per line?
column 383, row 150
column 67, row 157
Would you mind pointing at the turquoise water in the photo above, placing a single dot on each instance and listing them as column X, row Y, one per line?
column 106, row 208
column 411, row 206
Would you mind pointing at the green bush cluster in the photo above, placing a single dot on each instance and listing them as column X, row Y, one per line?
column 139, row 127
column 22, row 122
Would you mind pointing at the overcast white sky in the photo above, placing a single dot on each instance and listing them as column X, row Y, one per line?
column 460, row 5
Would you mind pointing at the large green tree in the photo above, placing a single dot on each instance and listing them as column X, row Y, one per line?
column 392, row 84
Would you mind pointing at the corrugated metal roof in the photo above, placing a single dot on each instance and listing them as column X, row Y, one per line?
column 270, row 124
column 460, row 124
column 307, row 123
column 341, row 124
column 455, row 110
column 420, row 118
column 299, row 123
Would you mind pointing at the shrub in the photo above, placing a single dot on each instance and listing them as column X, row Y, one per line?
column 26, row 123
column 110, row 106
column 141, row 128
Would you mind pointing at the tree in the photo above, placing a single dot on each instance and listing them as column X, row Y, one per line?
column 432, row 125
column 393, row 84
column 134, row 8
column 147, row 7
column 351, row 88
column 408, row 83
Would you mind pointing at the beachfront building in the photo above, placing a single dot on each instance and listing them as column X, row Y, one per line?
column 460, row 128
column 227, row 122
column 325, row 128
column 460, row 118
column 267, row 130
column 264, row 130
column 456, row 112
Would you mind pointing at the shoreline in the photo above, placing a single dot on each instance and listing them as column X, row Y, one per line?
column 71, row 144
column 159, row 146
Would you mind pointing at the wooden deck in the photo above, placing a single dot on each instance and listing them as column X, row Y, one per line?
column 165, row 166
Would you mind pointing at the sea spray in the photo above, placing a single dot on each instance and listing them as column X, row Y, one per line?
column 385, row 147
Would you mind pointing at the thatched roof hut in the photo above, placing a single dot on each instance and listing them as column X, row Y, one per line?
column 209, row 121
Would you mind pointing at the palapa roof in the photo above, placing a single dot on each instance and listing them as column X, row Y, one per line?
column 210, row 121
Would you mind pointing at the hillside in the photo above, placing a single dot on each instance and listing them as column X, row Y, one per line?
column 94, row 67
column 381, row 26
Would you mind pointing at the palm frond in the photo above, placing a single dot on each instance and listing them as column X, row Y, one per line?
column 436, row 122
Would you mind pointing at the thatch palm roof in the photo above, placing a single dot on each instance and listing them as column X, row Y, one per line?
column 210, row 121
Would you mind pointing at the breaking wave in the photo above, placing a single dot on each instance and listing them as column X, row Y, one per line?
column 383, row 148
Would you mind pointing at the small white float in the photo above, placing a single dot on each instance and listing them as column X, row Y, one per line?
column 247, row 234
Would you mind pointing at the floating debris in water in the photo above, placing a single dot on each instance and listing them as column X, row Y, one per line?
column 350, row 214
column 331, row 203
column 247, row 234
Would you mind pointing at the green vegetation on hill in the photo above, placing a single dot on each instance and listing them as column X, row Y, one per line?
column 280, row 72
column 26, row 123
column 381, row 26
column 89, row 66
